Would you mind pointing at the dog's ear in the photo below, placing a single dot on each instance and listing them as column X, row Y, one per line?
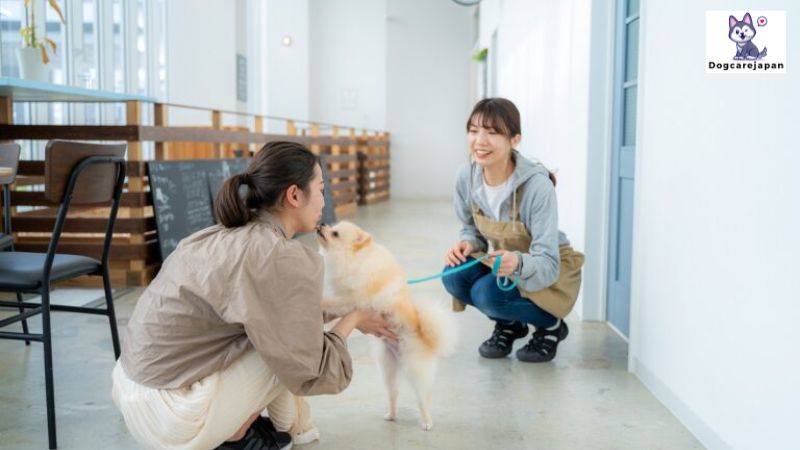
column 732, row 21
column 747, row 19
column 362, row 239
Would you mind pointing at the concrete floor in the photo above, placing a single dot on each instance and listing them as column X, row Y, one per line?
column 584, row 399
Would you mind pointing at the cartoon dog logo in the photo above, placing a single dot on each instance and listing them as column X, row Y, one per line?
column 742, row 33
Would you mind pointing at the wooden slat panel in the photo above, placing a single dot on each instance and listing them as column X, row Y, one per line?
column 376, row 157
column 347, row 197
column 71, row 132
column 129, row 199
column 209, row 135
column 118, row 251
column 83, row 225
column 341, row 158
column 373, row 172
column 343, row 185
column 344, row 173
column 375, row 165
column 156, row 134
column 36, row 168
column 375, row 199
column 377, row 177
column 379, row 185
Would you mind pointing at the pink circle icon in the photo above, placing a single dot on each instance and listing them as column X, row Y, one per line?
column 762, row 21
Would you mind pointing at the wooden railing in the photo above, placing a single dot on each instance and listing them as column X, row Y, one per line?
column 358, row 162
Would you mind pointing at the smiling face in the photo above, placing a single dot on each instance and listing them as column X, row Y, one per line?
column 493, row 131
column 488, row 145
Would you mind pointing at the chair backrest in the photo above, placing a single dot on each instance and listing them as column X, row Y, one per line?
column 9, row 161
column 95, row 184
column 9, row 158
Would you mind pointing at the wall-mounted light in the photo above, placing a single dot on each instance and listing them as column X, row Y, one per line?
column 286, row 41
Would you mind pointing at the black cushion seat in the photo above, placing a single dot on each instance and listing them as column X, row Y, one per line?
column 23, row 271
column 5, row 241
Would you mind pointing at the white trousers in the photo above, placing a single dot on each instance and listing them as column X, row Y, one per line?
column 207, row 413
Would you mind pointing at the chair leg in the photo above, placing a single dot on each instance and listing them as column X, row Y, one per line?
column 112, row 317
column 24, row 321
column 48, row 368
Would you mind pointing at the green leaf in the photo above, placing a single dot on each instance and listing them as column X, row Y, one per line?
column 480, row 55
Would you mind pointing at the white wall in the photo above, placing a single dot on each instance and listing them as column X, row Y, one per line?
column 427, row 94
column 202, row 69
column 286, row 69
column 543, row 67
column 405, row 66
column 348, row 62
column 717, row 212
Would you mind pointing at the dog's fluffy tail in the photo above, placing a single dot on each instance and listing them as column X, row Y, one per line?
column 437, row 326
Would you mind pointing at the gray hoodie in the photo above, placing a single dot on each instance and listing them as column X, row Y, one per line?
column 538, row 211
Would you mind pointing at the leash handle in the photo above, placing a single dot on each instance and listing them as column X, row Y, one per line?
column 505, row 284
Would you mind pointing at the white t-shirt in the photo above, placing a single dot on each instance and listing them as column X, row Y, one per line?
column 495, row 195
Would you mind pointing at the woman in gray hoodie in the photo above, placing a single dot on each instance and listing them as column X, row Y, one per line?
column 507, row 206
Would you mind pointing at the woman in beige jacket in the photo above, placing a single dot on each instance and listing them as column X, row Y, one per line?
column 232, row 323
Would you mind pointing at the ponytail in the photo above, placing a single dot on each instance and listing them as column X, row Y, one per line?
column 229, row 207
column 552, row 177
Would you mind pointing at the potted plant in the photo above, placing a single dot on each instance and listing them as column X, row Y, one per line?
column 33, row 55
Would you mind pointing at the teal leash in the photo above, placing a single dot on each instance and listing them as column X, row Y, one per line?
column 503, row 283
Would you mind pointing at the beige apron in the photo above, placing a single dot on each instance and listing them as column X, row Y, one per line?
column 557, row 299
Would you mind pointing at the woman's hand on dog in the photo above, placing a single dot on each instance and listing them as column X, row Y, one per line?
column 458, row 254
column 508, row 262
column 376, row 324
column 367, row 322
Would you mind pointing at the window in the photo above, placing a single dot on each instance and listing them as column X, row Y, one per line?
column 112, row 45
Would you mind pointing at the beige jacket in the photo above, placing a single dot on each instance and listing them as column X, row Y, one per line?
column 224, row 290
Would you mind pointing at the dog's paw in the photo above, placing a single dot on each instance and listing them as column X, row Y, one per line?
column 426, row 424
column 390, row 416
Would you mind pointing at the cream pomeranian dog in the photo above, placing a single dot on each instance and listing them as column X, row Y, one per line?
column 361, row 274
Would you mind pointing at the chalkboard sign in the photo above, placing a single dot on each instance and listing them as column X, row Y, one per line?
column 183, row 196
column 184, row 191
column 218, row 172
column 329, row 211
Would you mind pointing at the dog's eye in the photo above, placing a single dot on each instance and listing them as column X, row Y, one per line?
column 335, row 234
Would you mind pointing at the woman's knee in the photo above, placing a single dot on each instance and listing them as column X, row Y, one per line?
column 449, row 283
column 456, row 284
column 484, row 295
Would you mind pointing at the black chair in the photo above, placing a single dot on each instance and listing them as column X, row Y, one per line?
column 9, row 159
column 76, row 173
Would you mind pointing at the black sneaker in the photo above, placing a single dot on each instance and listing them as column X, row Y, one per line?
column 543, row 344
column 260, row 436
column 282, row 439
column 502, row 340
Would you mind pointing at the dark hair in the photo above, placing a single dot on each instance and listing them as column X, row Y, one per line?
column 276, row 167
column 501, row 115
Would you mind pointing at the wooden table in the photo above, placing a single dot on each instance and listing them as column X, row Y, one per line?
column 5, row 171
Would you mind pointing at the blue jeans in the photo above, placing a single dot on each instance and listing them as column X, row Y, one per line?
column 476, row 286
